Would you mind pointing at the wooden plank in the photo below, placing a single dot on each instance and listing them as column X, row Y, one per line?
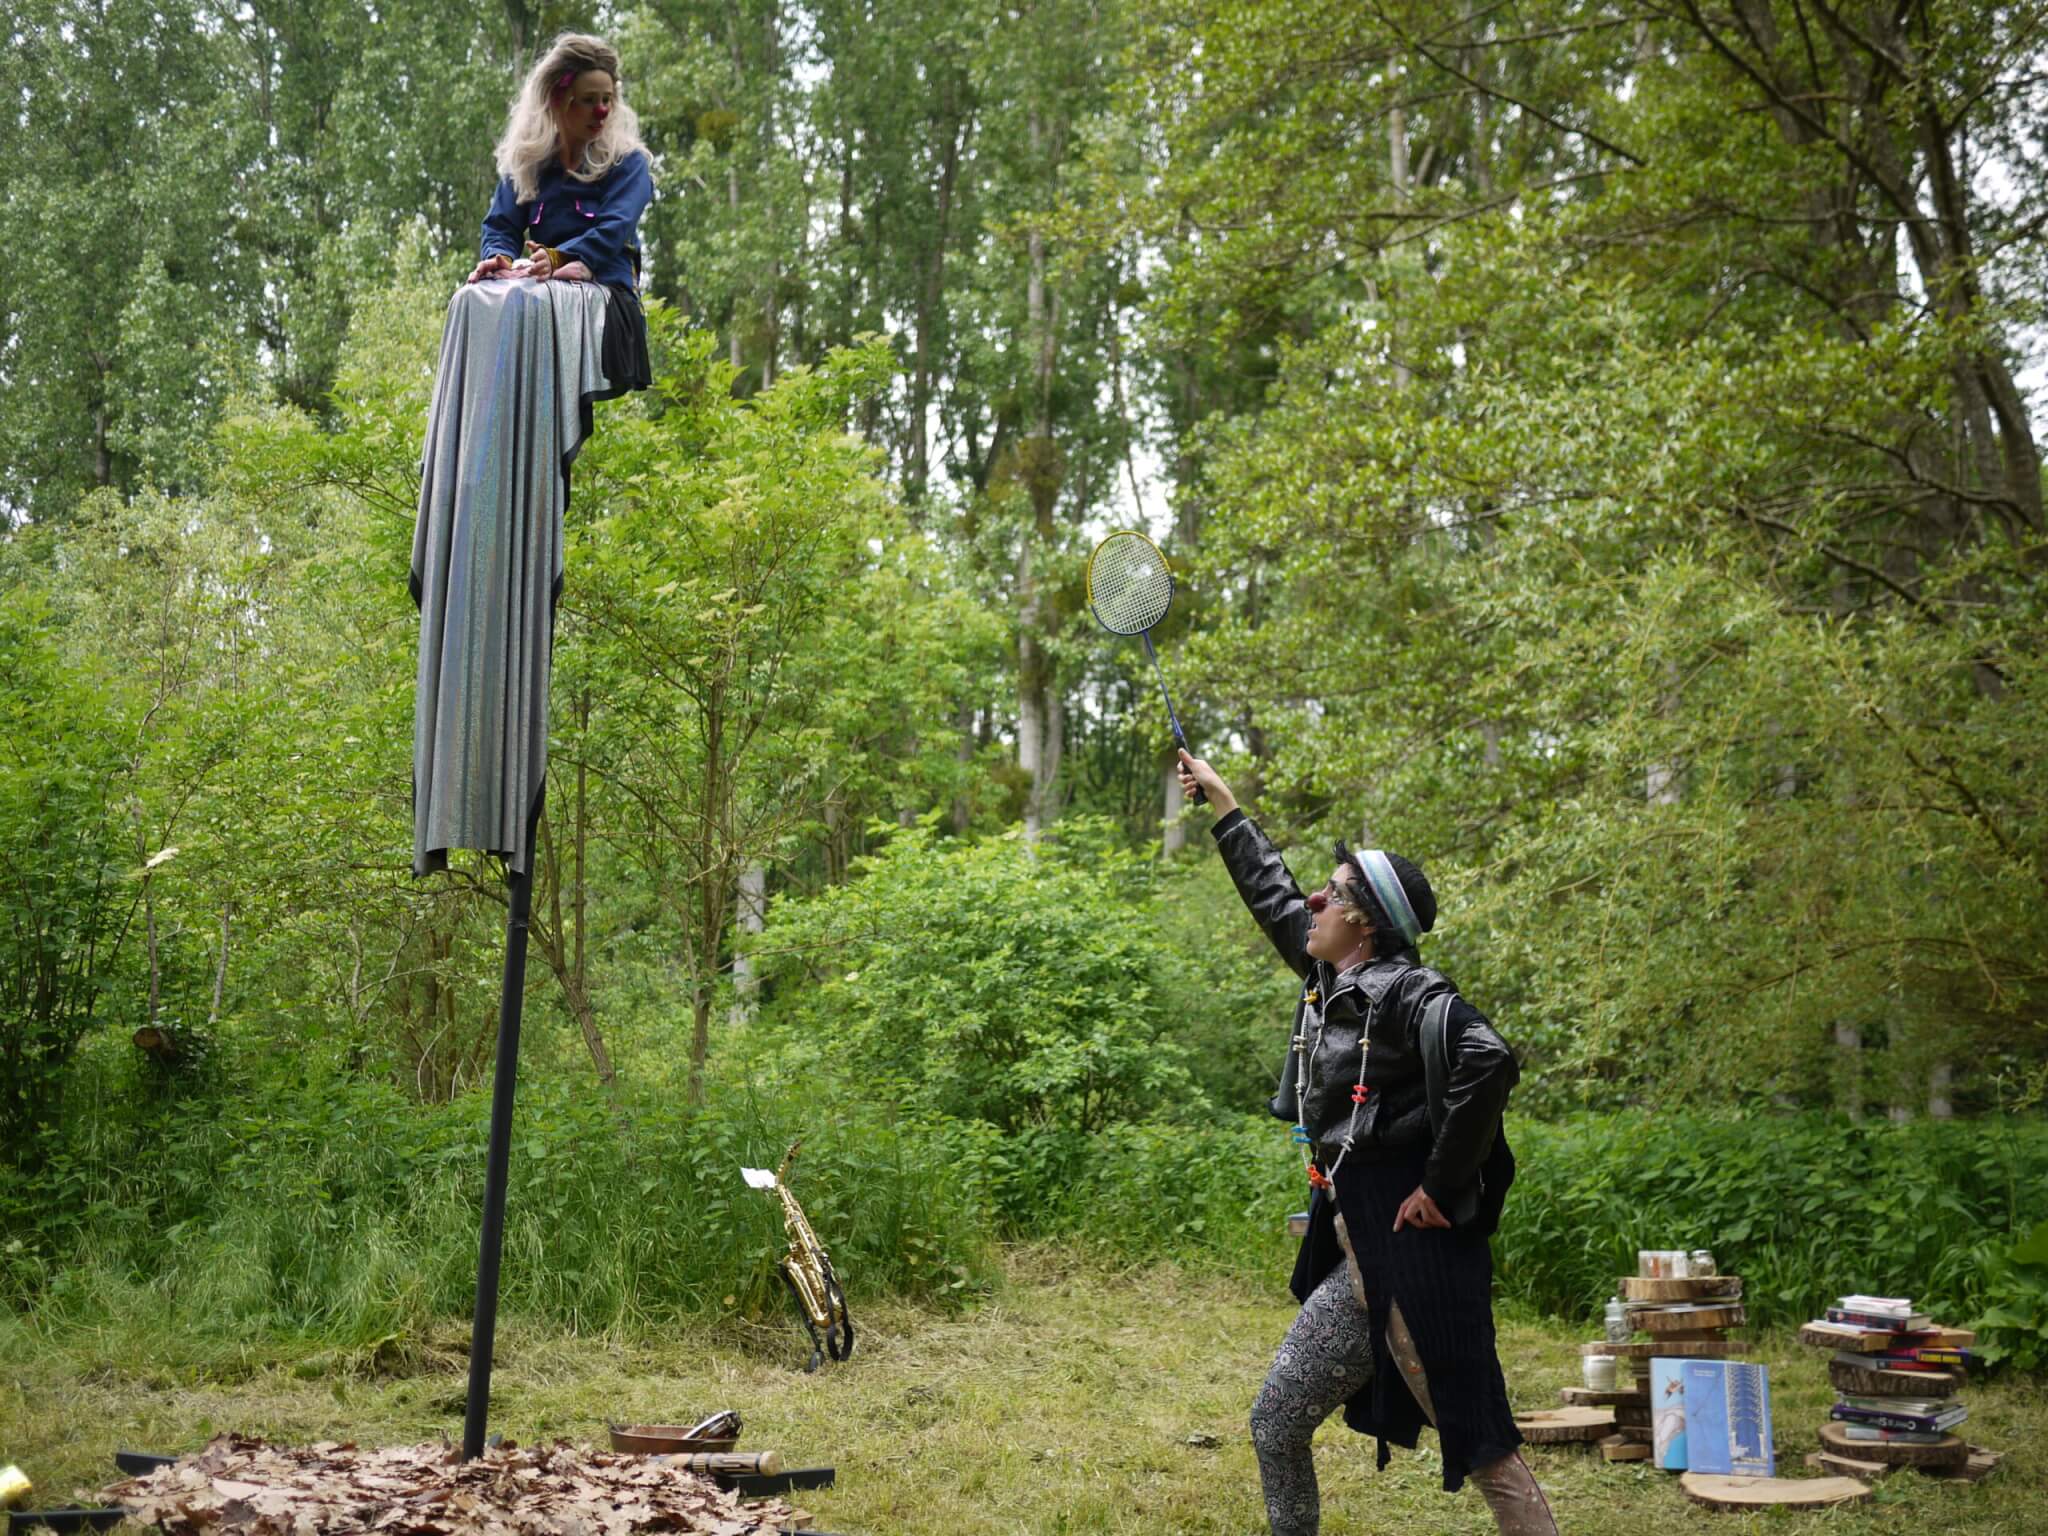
column 1772, row 1492
column 1949, row 1451
column 1626, row 1451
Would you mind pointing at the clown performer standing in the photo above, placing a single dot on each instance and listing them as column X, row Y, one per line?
column 1409, row 1169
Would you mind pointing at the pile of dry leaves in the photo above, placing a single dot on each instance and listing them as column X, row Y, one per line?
column 244, row 1485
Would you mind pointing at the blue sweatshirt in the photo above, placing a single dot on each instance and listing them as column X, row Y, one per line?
column 594, row 222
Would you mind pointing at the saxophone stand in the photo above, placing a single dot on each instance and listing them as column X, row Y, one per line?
column 497, row 1160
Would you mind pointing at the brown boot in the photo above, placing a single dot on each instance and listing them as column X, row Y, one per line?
column 1517, row 1502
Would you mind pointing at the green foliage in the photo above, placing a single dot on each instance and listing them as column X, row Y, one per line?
column 69, row 892
column 2013, row 1329
column 994, row 980
column 1805, row 1208
column 305, row 1201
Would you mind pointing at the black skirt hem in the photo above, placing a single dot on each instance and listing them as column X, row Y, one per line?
column 624, row 358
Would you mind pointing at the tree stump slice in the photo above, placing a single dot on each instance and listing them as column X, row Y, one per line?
column 1772, row 1492
column 1600, row 1397
column 1870, row 1381
column 1560, row 1426
column 1677, row 1349
column 1708, row 1288
column 1692, row 1336
column 1981, row 1464
column 1632, row 1415
column 1849, row 1466
column 1949, row 1451
column 1690, row 1320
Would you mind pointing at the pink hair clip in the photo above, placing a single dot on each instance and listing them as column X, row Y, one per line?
column 562, row 83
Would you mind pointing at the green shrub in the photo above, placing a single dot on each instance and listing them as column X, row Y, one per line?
column 999, row 981
column 2014, row 1327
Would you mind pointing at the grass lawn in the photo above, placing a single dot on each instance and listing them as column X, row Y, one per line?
column 1073, row 1401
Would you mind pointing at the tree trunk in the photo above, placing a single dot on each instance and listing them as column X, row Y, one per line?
column 1849, row 1041
column 220, row 969
column 1175, row 837
column 751, row 917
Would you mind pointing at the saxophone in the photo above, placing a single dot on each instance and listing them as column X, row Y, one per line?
column 807, row 1269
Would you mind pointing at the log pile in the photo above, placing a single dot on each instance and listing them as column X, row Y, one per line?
column 1674, row 1318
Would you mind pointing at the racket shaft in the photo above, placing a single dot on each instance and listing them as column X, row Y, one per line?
column 1179, row 736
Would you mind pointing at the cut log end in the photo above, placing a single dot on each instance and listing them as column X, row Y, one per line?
column 1738, row 1493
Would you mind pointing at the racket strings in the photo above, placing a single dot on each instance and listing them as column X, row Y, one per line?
column 1129, row 585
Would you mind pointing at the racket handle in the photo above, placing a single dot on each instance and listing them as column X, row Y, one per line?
column 1197, row 795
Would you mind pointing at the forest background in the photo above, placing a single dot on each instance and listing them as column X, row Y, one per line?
column 1599, row 446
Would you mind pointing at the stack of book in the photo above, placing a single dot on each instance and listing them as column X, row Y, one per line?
column 1673, row 1320
column 1896, row 1374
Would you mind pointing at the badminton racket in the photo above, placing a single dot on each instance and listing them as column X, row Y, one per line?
column 1129, row 590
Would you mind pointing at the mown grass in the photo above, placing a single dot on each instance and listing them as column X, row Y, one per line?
column 1073, row 1399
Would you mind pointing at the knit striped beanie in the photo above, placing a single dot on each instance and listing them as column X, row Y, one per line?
column 1394, row 891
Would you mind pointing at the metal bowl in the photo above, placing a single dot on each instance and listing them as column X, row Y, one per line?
column 666, row 1440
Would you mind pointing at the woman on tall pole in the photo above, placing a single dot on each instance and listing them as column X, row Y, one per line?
column 548, row 322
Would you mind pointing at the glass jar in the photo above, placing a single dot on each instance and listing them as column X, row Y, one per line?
column 1619, row 1328
column 1599, row 1372
column 1701, row 1264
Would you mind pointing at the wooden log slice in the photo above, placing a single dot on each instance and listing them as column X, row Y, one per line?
column 1632, row 1415
column 1772, row 1492
column 1709, row 1288
column 1694, row 1319
column 1600, row 1397
column 1982, row 1464
column 1692, row 1336
column 1557, row 1426
column 1949, row 1451
column 1849, row 1466
column 1677, row 1349
column 1835, row 1336
column 1636, row 1436
column 1870, row 1381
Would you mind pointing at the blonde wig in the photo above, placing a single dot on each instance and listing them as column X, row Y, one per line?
column 531, row 137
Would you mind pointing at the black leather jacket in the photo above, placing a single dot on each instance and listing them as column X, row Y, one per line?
column 1387, row 996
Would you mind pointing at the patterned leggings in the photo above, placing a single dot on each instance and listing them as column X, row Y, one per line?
column 1325, row 1358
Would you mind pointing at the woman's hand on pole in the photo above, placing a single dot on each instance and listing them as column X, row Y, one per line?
column 1194, row 773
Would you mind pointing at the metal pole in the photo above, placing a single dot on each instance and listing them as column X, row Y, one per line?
column 504, row 1079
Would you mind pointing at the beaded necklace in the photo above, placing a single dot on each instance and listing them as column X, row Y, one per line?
column 1305, row 1052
